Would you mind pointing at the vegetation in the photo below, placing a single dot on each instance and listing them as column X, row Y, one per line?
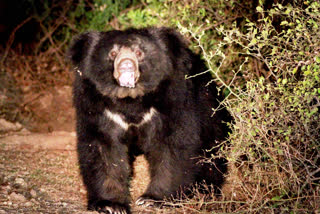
column 265, row 58
column 273, row 93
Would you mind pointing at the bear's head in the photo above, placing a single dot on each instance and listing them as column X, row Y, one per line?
column 127, row 63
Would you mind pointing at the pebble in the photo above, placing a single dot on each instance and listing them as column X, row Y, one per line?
column 34, row 201
column 2, row 179
column 33, row 193
column 7, row 188
column 6, row 126
column 20, row 183
column 28, row 204
column 17, row 197
column 2, row 212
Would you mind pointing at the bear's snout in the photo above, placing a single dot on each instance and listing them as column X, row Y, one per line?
column 126, row 68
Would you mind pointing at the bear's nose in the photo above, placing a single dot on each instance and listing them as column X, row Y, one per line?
column 126, row 65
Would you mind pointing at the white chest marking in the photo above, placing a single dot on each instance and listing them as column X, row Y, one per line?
column 118, row 118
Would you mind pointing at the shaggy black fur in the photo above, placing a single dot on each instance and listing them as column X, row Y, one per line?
column 164, row 116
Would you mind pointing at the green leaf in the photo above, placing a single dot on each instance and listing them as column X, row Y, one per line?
column 264, row 34
column 313, row 111
column 253, row 42
column 259, row 9
column 294, row 70
column 274, row 50
column 270, row 63
column 276, row 198
column 284, row 81
column 307, row 72
column 288, row 10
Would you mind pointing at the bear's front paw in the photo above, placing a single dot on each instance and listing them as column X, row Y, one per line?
column 148, row 202
column 109, row 208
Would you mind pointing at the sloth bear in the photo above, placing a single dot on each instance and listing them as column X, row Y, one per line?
column 132, row 97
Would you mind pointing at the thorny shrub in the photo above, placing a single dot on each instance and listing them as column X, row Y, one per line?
column 274, row 147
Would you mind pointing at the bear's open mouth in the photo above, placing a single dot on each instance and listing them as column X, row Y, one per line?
column 126, row 79
column 127, row 73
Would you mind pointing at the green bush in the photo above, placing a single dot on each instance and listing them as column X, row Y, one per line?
column 98, row 14
column 148, row 13
column 273, row 94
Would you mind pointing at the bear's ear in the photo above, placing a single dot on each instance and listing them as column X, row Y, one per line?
column 175, row 46
column 80, row 47
column 173, row 41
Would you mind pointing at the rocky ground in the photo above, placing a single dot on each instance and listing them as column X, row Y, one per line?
column 39, row 173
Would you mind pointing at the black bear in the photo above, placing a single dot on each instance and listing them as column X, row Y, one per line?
column 132, row 97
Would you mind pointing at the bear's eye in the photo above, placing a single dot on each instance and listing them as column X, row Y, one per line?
column 113, row 54
column 139, row 54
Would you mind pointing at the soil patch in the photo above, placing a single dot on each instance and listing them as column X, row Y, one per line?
column 39, row 173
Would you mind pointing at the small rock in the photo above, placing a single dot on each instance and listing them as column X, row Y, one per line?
column 2, row 179
column 6, row 126
column 7, row 188
column 17, row 197
column 28, row 204
column 20, row 183
column 33, row 193
column 34, row 201
column 2, row 212
column 24, row 131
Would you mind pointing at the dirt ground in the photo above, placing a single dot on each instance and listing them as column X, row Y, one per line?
column 39, row 174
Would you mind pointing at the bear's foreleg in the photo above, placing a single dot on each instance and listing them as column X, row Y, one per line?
column 171, row 171
column 105, row 170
